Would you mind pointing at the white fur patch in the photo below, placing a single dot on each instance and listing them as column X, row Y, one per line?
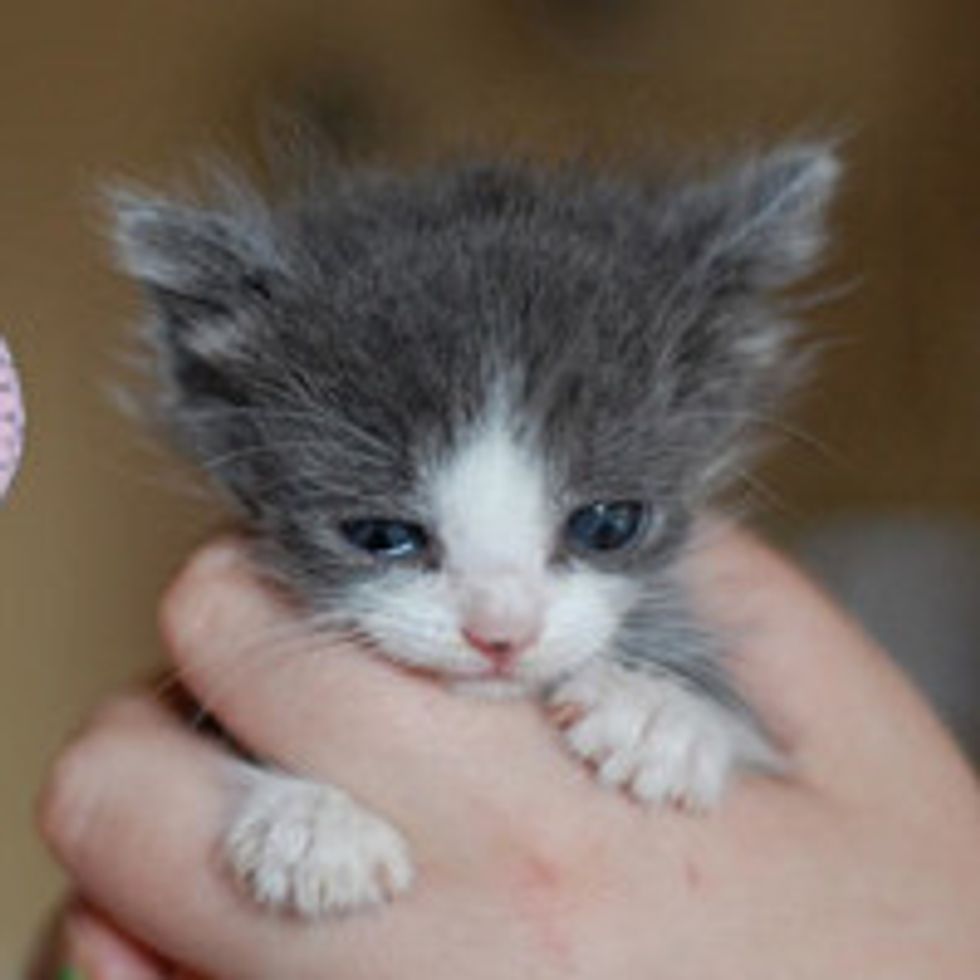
column 494, row 515
column 309, row 849
column 655, row 738
column 491, row 504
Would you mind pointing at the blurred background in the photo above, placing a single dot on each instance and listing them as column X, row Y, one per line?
column 880, row 488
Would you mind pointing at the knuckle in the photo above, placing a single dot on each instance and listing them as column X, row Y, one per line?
column 66, row 797
column 65, row 810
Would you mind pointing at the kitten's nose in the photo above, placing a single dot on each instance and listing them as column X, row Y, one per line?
column 500, row 650
column 502, row 616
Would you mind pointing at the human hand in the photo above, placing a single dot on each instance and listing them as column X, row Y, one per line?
column 866, row 862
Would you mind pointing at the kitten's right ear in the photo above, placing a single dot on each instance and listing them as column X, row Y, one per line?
column 203, row 270
column 762, row 225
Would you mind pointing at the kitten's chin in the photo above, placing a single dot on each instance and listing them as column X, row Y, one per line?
column 517, row 685
column 492, row 688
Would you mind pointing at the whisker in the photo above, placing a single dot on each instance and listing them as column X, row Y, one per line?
column 257, row 411
column 763, row 492
column 271, row 644
column 819, row 298
column 216, row 462
column 780, row 425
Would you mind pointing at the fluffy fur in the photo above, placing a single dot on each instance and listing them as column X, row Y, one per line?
column 481, row 351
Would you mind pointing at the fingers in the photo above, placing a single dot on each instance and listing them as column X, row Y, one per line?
column 842, row 705
column 81, row 944
column 92, row 948
column 134, row 808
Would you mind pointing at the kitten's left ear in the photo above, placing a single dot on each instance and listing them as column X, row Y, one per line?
column 761, row 226
column 201, row 268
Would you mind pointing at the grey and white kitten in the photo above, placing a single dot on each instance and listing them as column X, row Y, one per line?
column 470, row 413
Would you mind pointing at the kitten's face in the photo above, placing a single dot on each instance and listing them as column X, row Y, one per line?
column 496, row 588
column 470, row 412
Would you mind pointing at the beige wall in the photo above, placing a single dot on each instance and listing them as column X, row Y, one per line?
column 114, row 87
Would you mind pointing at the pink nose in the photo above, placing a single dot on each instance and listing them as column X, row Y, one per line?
column 499, row 651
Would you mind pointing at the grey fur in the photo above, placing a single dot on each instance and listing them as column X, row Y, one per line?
column 316, row 353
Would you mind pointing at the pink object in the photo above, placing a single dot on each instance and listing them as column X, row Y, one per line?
column 11, row 419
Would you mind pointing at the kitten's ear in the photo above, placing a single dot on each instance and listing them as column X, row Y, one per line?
column 203, row 270
column 757, row 229
column 761, row 227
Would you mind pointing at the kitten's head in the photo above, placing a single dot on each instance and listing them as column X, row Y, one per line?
column 470, row 411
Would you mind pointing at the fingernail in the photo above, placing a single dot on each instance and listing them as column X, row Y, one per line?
column 218, row 555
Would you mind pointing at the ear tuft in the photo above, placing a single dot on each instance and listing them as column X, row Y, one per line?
column 773, row 226
column 193, row 255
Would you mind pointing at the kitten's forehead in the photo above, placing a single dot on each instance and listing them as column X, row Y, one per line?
column 491, row 499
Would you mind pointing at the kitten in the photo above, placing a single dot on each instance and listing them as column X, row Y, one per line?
column 471, row 413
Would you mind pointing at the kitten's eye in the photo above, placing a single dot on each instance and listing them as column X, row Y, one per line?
column 386, row 539
column 606, row 526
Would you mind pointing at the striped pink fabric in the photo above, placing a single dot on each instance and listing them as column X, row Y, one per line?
column 11, row 419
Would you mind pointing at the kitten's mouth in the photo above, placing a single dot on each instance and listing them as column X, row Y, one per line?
column 495, row 681
column 430, row 674
column 500, row 671
column 517, row 677
column 511, row 682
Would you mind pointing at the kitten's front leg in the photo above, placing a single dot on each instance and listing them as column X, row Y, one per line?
column 310, row 849
column 647, row 732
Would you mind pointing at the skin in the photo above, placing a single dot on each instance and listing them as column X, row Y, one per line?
column 864, row 861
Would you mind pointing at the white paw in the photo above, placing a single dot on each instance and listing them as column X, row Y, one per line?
column 311, row 850
column 652, row 737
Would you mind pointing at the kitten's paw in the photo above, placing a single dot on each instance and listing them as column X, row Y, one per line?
column 654, row 738
column 311, row 850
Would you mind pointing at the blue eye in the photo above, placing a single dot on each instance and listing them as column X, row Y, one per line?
column 386, row 539
column 606, row 526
